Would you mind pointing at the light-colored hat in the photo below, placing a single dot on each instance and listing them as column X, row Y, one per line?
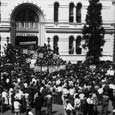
column 30, row 113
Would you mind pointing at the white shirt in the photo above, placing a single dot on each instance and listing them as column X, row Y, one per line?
column 30, row 113
column 18, row 80
column 71, row 91
column 58, row 82
column 65, row 91
column 41, row 89
column 26, row 95
column 77, row 102
column 59, row 89
column 5, row 96
column 18, row 95
column 25, row 85
column 16, row 105
column 100, row 90
column 89, row 101
column 70, row 82
column 69, row 107
column 81, row 96
column 7, row 80
column 110, row 72
column 10, row 93
column 112, row 86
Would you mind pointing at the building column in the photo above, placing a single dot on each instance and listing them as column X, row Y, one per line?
column 74, row 45
column 74, row 14
column 41, row 39
column 13, row 32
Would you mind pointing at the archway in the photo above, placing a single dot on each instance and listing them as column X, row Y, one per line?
column 26, row 23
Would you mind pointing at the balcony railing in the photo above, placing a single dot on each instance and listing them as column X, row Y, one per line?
column 27, row 26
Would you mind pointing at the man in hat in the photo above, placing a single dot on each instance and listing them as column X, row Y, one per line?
column 49, row 103
column 69, row 108
column 38, row 102
column 113, row 101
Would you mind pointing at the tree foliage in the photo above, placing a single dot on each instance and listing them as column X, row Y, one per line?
column 93, row 31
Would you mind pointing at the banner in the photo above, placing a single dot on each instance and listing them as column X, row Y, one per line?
column 50, row 68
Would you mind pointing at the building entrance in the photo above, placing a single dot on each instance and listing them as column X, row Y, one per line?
column 26, row 26
column 28, row 44
column 26, row 41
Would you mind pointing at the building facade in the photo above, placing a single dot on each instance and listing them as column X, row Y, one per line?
column 33, row 22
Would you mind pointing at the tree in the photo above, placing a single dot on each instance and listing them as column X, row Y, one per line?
column 93, row 31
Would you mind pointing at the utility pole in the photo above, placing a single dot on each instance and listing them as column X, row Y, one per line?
column 0, row 22
column 113, row 2
column 0, row 11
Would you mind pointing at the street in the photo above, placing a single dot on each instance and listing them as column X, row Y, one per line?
column 59, row 110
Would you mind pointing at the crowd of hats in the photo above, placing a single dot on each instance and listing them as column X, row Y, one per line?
column 13, row 64
column 13, row 57
column 14, row 61
column 14, row 68
column 92, row 74
column 46, row 57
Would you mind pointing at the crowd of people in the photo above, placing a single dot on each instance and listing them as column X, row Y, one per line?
column 81, row 88
column 47, row 57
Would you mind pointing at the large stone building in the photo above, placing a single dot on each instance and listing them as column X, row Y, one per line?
column 27, row 22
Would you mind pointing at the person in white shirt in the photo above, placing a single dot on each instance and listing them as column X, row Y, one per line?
column 100, row 92
column 26, row 95
column 17, row 107
column 5, row 96
column 49, row 103
column 71, row 92
column 69, row 108
column 5, row 101
column 30, row 113
column 81, row 96
column 65, row 94
column 18, row 94
column 10, row 96
column 90, row 105
column 65, row 91
column 77, row 104
column 59, row 94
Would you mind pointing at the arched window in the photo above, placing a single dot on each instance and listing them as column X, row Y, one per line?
column 56, row 6
column 27, row 15
column 71, row 12
column 78, row 12
column 55, row 45
column 78, row 43
column 71, row 47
